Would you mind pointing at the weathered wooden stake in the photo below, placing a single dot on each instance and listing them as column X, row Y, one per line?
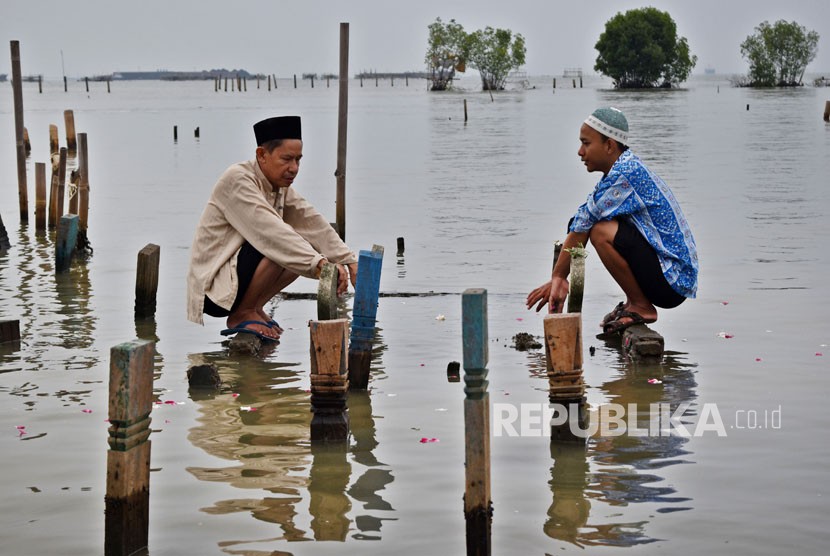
column 465, row 110
column 226, row 83
column 53, row 193
column 65, row 88
column 17, row 91
column 295, row 80
column 40, row 84
column 27, row 145
column 61, row 180
column 574, row 82
column 563, row 353
column 196, row 133
column 275, row 81
column 54, row 147
column 327, row 293
column 108, row 85
column 401, row 246
column 364, row 315
column 827, row 111
column 147, row 281
column 175, row 133
column 40, row 196
column 269, row 83
column 554, row 82
column 329, row 380
column 576, row 280
column 9, row 329
column 127, row 502
column 69, row 120
column 83, row 184
column 478, row 507
column 4, row 237
column 342, row 121
column 86, row 80
column 67, row 236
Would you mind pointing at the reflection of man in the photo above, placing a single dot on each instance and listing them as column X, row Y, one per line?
column 635, row 225
column 257, row 235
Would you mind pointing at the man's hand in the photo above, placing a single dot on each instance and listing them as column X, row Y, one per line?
column 353, row 274
column 552, row 293
column 342, row 279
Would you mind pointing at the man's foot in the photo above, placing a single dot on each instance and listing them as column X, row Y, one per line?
column 265, row 317
column 251, row 321
column 613, row 314
column 626, row 319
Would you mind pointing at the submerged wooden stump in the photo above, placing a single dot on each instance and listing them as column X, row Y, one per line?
column 205, row 377
column 563, row 350
column 641, row 342
column 329, row 380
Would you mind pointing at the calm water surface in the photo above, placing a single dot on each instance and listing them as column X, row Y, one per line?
column 480, row 205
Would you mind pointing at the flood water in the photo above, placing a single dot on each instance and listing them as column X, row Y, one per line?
column 479, row 205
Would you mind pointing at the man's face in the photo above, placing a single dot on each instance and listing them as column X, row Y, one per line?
column 596, row 154
column 282, row 164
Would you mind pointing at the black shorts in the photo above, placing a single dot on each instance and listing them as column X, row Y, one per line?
column 246, row 264
column 642, row 258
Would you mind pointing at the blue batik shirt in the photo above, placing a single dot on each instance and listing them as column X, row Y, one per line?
column 632, row 192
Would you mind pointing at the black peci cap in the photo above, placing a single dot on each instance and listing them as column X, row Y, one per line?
column 281, row 127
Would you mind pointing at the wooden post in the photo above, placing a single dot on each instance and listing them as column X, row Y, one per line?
column 364, row 315
column 83, row 184
column 327, row 81
column 53, row 193
column 67, row 236
column 312, row 80
column 269, row 83
column 407, row 80
column 9, row 330
column 127, row 502
column 401, row 246
column 69, row 120
column 478, row 507
column 257, row 81
column 40, row 84
column 827, row 111
column 563, row 353
column 40, row 196
column 17, row 90
column 147, row 281
column 245, row 83
column 4, row 237
column 27, row 145
column 342, row 120
column 574, row 82
column 361, row 80
column 275, row 81
column 580, row 81
column 576, row 279
column 65, row 88
column 108, row 85
column 295, row 80
column 465, row 110
column 226, row 83
column 329, row 380
column 327, row 293
column 376, row 80
column 54, row 147
column 196, row 133
column 554, row 82
column 175, row 133
column 86, row 80
column 61, row 181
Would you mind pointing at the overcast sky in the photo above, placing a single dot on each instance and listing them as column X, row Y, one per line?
column 283, row 38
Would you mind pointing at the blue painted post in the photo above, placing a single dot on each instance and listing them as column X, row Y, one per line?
column 478, row 507
column 65, row 245
column 364, row 315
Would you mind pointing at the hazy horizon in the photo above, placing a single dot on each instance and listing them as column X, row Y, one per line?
column 100, row 37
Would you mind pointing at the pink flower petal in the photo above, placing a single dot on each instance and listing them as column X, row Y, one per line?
column 170, row 402
column 86, row 410
column 235, row 395
column 655, row 381
column 426, row 440
column 520, row 319
column 819, row 354
column 724, row 303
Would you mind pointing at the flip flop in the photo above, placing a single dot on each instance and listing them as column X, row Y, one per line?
column 273, row 324
column 612, row 315
column 616, row 326
column 242, row 328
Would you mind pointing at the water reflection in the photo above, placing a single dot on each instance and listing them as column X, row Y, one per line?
column 260, row 422
column 588, row 482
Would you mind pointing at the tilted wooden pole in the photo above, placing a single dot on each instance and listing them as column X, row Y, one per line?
column 342, row 120
column 17, row 89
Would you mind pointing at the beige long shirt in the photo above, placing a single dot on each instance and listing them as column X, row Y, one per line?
column 277, row 222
